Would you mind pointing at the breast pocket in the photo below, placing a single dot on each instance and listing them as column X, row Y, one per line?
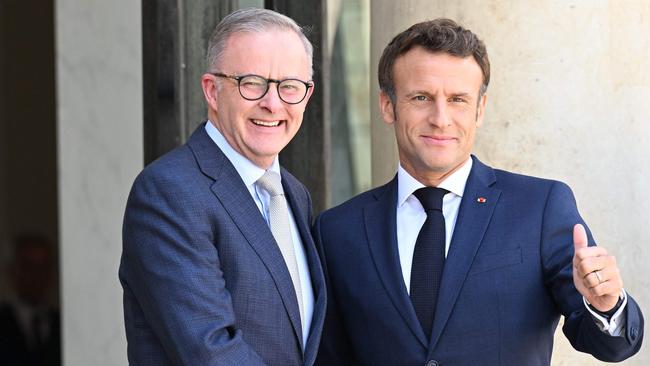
column 492, row 261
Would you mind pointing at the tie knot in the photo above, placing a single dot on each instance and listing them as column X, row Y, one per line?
column 271, row 183
column 431, row 197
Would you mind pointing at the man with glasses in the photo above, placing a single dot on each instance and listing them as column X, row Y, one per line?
column 218, row 265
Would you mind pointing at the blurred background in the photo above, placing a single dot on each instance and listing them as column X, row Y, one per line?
column 92, row 90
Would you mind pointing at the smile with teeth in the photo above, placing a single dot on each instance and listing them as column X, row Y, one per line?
column 265, row 123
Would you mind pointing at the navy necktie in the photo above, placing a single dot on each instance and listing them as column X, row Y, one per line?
column 428, row 257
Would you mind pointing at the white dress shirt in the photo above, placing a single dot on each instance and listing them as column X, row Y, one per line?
column 250, row 173
column 411, row 217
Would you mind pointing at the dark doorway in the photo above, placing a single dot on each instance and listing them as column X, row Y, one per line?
column 28, row 185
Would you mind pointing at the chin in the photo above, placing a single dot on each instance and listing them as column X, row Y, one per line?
column 441, row 167
column 269, row 151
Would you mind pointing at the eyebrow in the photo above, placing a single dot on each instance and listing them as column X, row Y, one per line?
column 417, row 92
column 285, row 77
column 463, row 94
column 424, row 92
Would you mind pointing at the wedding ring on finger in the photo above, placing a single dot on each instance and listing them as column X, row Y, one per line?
column 600, row 279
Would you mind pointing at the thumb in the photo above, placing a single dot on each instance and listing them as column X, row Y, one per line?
column 579, row 237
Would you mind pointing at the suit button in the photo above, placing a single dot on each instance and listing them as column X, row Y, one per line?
column 432, row 363
column 634, row 332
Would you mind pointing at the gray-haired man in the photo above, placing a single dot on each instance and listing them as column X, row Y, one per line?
column 218, row 265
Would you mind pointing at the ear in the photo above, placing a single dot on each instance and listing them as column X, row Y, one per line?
column 480, row 112
column 210, row 90
column 386, row 108
column 310, row 91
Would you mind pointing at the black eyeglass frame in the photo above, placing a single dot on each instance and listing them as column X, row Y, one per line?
column 239, row 78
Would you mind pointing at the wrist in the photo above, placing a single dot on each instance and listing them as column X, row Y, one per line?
column 609, row 313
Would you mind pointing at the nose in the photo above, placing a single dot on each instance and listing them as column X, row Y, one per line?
column 439, row 115
column 271, row 100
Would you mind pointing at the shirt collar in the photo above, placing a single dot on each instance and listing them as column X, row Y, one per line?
column 248, row 171
column 455, row 183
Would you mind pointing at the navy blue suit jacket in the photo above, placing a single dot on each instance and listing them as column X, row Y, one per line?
column 204, row 281
column 506, row 281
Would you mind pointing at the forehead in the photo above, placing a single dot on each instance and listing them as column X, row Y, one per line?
column 421, row 66
column 278, row 49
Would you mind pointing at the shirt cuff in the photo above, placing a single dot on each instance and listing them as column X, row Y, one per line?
column 615, row 326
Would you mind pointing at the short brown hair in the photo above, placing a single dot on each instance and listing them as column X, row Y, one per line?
column 438, row 35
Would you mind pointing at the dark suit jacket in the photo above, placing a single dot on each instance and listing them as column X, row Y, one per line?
column 506, row 281
column 204, row 281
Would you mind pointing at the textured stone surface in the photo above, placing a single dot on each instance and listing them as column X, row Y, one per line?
column 99, row 102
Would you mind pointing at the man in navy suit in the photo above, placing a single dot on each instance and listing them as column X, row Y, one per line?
column 218, row 264
column 453, row 262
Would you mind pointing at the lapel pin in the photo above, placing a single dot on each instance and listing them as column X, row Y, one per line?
column 481, row 200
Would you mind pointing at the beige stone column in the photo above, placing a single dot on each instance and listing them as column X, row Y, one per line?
column 568, row 100
column 99, row 105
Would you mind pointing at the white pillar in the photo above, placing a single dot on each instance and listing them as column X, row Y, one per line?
column 568, row 100
column 99, row 106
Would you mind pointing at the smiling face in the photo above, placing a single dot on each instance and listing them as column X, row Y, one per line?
column 258, row 129
column 436, row 112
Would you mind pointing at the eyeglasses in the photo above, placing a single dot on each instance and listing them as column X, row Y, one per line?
column 255, row 87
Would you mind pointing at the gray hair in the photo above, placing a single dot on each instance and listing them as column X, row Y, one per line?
column 252, row 20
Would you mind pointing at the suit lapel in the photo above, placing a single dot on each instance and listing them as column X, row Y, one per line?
column 471, row 224
column 380, row 224
column 230, row 190
column 300, row 213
